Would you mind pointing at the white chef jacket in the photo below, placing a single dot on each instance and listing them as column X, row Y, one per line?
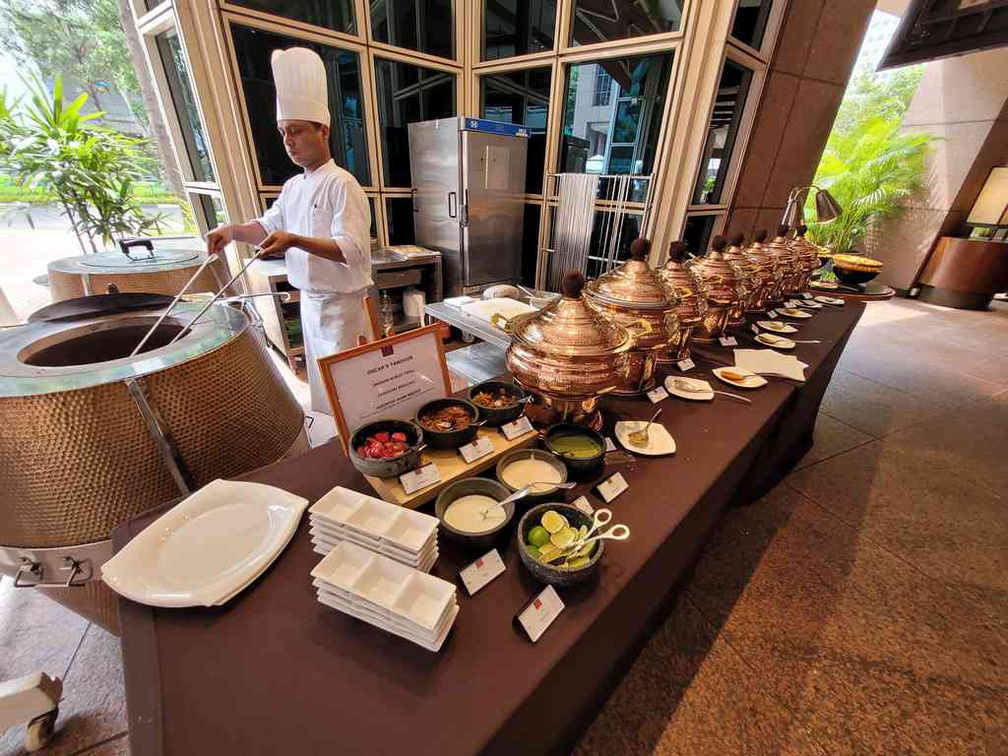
column 326, row 203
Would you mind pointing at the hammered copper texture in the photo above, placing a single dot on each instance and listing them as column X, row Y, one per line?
column 75, row 464
column 64, row 285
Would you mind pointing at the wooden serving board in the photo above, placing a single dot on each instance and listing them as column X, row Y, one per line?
column 452, row 467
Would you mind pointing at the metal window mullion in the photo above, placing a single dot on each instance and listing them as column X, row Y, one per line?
column 291, row 26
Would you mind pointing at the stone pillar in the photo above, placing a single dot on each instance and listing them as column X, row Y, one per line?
column 808, row 74
column 964, row 102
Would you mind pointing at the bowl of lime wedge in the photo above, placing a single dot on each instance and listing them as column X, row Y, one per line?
column 548, row 537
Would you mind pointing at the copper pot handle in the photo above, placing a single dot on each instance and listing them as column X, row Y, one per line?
column 499, row 321
column 644, row 325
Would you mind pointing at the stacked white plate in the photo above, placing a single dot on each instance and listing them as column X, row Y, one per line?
column 401, row 534
column 382, row 592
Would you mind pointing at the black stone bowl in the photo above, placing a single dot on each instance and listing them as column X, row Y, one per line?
column 395, row 466
column 451, row 439
column 533, row 497
column 546, row 573
column 460, row 488
column 495, row 417
column 576, row 465
column 851, row 277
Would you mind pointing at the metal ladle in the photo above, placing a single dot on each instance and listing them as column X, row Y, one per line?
column 211, row 258
column 521, row 493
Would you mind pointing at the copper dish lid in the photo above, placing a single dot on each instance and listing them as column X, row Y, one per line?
column 719, row 275
column 685, row 284
column 781, row 250
column 567, row 349
column 807, row 251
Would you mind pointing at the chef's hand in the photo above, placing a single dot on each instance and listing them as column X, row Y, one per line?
column 277, row 243
column 219, row 238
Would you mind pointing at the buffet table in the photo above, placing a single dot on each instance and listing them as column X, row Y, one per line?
column 274, row 671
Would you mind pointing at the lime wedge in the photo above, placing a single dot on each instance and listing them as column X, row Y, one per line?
column 547, row 552
column 587, row 550
column 577, row 564
column 553, row 522
column 563, row 538
column 582, row 531
column 538, row 536
column 532, row 550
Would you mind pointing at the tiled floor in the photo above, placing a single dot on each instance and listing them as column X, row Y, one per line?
column 861, row 607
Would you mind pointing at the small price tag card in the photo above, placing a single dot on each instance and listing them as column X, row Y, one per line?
column 755, row 329
column 806, row 295
column 476, row 449
column 728, row 341
column 420, row 478
column 612, row 487
column 582, row 503
column 516, row 428
column 482, row 571
column 539, row 613
column 657, row 394
column 609, row 444
column 685, row 365
column 794, row 303
column 771, row 313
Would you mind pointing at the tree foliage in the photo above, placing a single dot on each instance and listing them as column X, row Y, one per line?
column 92, row 170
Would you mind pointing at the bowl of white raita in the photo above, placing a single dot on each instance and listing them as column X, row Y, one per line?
column 532, row 467
column 470, row 512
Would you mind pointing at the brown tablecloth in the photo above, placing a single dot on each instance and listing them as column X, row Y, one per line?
column 274, row 671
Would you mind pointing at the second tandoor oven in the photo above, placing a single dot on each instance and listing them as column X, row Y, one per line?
column 468, row 179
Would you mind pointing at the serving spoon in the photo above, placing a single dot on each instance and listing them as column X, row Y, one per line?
column 521, row 493
column 640, row 437
column 689, row 388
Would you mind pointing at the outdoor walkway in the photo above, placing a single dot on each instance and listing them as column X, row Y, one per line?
column 859, row 608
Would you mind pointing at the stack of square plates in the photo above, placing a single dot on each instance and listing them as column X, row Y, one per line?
column 401, row 534
column 382, row 592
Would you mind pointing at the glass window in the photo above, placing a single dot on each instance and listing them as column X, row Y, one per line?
column 184, row 101
column 721, row 133
column 530, row 244
column 337, row 15
column 608, row 239
column 406, row 94
column 210, row 207
column 751, row 21
column 620, row 136
column 399, row 214
column 517, row 27
column 521, row 97
column 424, row 25
column 604, row 20
column 374, row 218
column 697, row 233
column 347, row 138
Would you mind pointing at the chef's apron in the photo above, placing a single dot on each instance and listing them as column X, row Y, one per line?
column 330, row 323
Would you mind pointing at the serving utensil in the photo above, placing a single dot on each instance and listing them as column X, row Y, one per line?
column 600, row 517
column 211, row 258
column 640, row 437
column 521, row 493
column 689, row 388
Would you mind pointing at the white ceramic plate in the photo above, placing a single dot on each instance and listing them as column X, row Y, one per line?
column 777, row 342
column 208, row 548
column 835, row 301
column 790, row 312
column 705, row 394
column 811, row 304
column 751, row 381
column 776, row 326
column 660, row 441
column 826, row 285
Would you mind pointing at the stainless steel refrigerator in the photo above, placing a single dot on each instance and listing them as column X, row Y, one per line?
column 468, row 178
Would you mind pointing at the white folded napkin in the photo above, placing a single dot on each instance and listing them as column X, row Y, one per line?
column 770, row 362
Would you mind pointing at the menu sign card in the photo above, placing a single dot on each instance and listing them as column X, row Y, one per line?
column 516, row 428
column 539, row 613
column 420, row 478
column 728, row 341
column 657, row 394
column 388, row 378
column 482, row 571
column 771, row 313
column 478, row 448
column 686, row 364
column 612, row 487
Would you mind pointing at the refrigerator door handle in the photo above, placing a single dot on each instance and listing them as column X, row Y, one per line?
column 413, row 194
column 452, row 207
column 465, row 207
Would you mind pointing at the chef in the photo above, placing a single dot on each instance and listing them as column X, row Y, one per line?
column 321, row 221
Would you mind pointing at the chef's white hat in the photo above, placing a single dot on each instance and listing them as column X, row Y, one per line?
column 300, row 78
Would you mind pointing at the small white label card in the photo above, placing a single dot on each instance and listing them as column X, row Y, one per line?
column 539, row 613
column 685, row 365
column 582, row 503
column 480, row 447
column 610, row 445
column 657, row 394
column 806, row 295
column 482, row 571
column 516, row 428
column 771, row 313
column 422, row 477
column 728, row 341
column 612, row 487
column 755, row 329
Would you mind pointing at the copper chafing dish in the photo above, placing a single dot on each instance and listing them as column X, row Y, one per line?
column 808, row 253
column 767, row 268
column 634, row 296
column 692, row 295
column 750, row 280
column 788, row 262
column 568, row 355
column 720, row 277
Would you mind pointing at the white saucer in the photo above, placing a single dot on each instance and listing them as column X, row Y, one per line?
column 777, row 342
column 752, row 381
column 706, row 395
column 794, row 313
column 660, row 441
column 775, row 326
column 835, row 301
column 811, row 304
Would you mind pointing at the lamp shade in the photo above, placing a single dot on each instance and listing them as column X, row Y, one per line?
column 827, row 208
column 794, row 214
column 991, row 206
